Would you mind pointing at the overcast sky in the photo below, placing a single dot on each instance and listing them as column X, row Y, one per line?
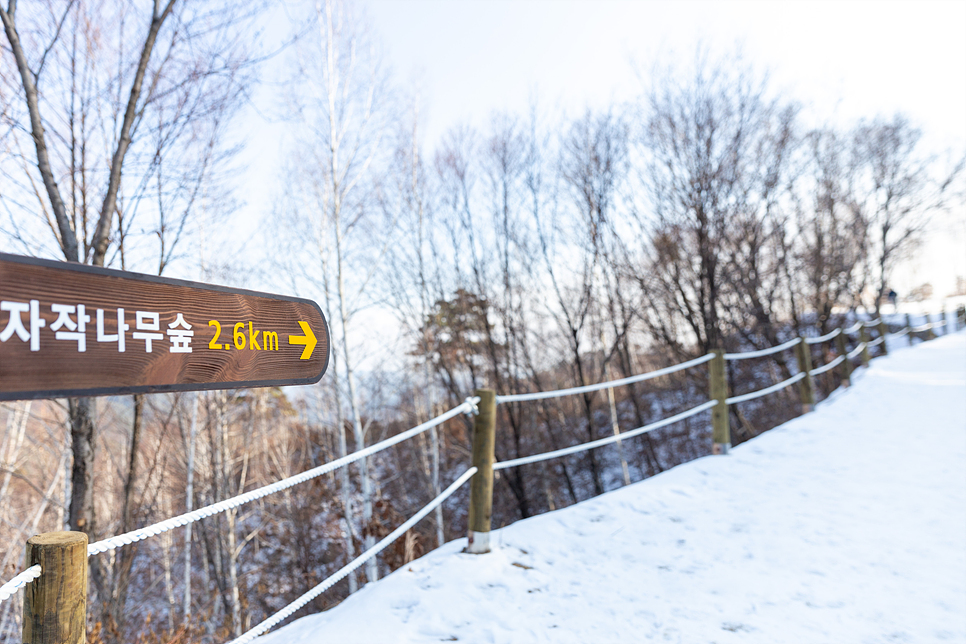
column 846, row 59
column 842, row 60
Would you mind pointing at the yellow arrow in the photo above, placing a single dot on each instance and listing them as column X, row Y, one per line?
column 308, row 340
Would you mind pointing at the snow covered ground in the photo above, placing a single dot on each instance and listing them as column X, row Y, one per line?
column 845, row 525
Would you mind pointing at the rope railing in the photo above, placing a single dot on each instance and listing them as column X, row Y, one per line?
column 762, row 352
column 19, row 582
column 557, row 393
column 330, row 581
column 856, row 351
column 118, row 541
column 524, row 460
column 473, row 405
column 767, row 390
column 834, row 363
column 823, row 338
column 228, row 504
column 488, row 466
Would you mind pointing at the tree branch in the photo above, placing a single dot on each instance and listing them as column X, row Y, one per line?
column 53, row 41
column 67, row 237
column 102, row 231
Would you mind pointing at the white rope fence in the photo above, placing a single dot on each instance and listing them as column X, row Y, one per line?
column 112, row 543
column 557, row 393
column 767, row 390
column 762, row 352
column 469, row 406
column 823, row 338
column 524, row 460
column 286, row 612
column 19, row 582
column 856, row 351
column 831, row 365
column 175, row 522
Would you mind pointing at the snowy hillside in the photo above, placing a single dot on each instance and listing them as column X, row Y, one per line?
column 845, row 525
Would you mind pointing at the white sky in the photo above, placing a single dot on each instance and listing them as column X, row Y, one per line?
column 843, row 60
column 849, row 59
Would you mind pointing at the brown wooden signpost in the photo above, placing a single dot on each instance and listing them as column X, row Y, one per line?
column 74, row 330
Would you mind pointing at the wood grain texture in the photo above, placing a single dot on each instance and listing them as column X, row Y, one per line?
column 55, row 604
column 842, row 350
column 720, row 422
column 864, row 337
column 806, row 388
column 484, row 441
column 883, row 332
column 60, row 369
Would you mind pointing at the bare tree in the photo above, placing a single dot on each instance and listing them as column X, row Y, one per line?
column 593, row 166
column 346, row 117
column 702, row 132
column 832, row 241
column 757, row 294
column 414, row 278
column 896, row 191
column 101, row 115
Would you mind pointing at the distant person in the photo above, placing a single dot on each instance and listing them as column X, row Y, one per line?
column 893, row 298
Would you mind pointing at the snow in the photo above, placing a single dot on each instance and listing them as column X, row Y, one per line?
column 844, row 525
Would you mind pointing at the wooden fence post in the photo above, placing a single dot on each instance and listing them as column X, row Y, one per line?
column 909, row 326
column 55, row 604
column 961, row 317
column 883, row 332
column 864, row 337
column 930, row 334
column 806, row 387
column 841, row 347
column 720, row 424
column 945, row 320
column 481, row 485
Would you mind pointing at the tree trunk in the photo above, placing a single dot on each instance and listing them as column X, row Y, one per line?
column 230, row 519
column 350, row 546
column 372, row 569
column 188, row 506
column 81, row 516
column 125, row 559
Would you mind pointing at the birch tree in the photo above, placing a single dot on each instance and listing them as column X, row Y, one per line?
column 344, row 118
column 414, row 278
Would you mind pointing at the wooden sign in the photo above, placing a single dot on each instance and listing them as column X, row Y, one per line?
column 74, row 330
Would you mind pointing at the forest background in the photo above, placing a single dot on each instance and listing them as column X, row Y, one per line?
column 530, row 248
